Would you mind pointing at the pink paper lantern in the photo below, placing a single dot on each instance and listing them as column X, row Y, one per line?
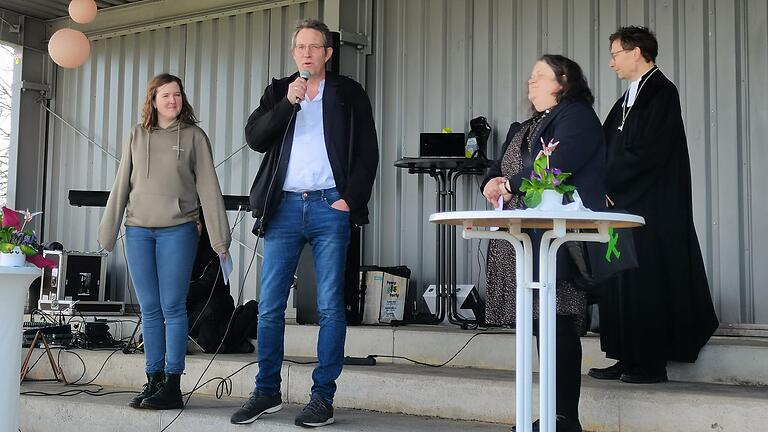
column 69, row 48
column 82, row 11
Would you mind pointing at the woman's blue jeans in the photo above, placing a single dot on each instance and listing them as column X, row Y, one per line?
column 304, row 218
column 160, row 261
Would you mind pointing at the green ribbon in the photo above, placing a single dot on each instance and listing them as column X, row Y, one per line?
column 613, row 238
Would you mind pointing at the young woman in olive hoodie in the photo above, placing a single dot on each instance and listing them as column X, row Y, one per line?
column 166, row 174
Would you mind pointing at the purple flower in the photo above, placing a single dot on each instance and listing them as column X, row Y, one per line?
column 556, row 182
column 557, row 171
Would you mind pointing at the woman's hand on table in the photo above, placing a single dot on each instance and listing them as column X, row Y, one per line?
column 504, row 189
column 491, row 191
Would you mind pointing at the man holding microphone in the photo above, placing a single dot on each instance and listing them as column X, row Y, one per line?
column 317, row 133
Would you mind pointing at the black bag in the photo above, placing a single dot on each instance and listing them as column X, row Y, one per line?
column 595, row 263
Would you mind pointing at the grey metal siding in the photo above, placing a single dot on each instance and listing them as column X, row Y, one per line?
column 439, row 63
column 225, row 64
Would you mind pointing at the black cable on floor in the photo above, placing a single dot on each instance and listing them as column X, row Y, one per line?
column 445, row 362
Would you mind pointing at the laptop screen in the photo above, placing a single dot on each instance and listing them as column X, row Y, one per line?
column 439, row 144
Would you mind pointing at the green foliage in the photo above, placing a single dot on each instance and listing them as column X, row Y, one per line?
column 541, row 179
column 26, row 240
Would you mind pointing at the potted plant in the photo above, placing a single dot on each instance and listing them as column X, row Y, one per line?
column 545, row 187
column 17, row 244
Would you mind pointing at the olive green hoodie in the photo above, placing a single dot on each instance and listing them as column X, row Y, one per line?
column 163, row 177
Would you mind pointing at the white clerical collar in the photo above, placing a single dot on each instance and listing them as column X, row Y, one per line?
column 632, row 91
column 634, row 87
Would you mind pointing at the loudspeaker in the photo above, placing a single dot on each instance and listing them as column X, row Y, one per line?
column 335, row 43
column 468, row 302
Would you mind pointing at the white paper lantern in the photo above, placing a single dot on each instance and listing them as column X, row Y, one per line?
column 69, row 48
column 82, row 11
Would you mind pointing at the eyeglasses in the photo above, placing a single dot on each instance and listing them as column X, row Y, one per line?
column 540, row 77
column 312, row 47
column 614, row 54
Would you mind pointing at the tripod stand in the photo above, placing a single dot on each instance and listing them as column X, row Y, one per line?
column 25, row 364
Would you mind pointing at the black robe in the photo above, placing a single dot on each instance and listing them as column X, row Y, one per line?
column 663, row 310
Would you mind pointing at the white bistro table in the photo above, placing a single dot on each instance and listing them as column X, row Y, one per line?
column 14, row 285
column 594, row 227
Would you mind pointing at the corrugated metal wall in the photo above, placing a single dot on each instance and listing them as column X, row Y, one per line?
column 439, row 63
column 225, row 64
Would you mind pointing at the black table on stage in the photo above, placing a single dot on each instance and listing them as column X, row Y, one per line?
column 445, row 171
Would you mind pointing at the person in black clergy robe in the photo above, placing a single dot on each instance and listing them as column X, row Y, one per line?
column 663, row 310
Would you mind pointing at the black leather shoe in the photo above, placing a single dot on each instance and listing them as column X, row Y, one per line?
column 610, row 373
column 535, row 427
column 644, row 375
column 563, row 424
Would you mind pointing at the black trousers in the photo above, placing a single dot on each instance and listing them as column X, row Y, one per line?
column 567, row 365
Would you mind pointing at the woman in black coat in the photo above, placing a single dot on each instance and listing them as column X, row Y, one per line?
column 562, row 105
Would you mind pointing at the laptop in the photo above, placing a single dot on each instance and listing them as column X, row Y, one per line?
column 441, row 145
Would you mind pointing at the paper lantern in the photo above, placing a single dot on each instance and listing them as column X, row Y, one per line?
column 82, row 11
column 69, row 48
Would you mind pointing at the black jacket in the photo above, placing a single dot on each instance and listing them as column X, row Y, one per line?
column 581, row 151
column 350, row 139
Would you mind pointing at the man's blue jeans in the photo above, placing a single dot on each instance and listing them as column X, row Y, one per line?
column 304, row 218
column 160, row 261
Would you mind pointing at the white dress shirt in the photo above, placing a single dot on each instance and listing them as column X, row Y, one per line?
column 309, row 167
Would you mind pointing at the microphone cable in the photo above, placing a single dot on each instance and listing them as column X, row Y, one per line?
column 259, row 233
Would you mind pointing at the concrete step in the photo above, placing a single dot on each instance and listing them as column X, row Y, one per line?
column 203, row 413
column 724, row 360
column 458, row 393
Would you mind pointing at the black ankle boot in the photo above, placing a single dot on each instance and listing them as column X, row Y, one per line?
column 168, row 395
column 150, row 388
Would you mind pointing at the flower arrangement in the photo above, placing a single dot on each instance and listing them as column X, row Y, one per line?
column 14, row 235
column 543, row 177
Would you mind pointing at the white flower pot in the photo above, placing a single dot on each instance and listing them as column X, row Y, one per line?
column 551, row 200
column 14, row 258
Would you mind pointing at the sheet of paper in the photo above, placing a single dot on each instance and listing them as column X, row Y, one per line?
column 499, row 207
column 226, row 266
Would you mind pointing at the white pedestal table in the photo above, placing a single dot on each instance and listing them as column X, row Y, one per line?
column 14, row 284
column 593, row 227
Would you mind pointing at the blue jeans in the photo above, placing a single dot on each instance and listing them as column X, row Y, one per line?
column 160, row 261
column 304, row 218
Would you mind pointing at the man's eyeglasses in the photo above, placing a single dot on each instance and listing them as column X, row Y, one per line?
column 614, row 54
column 311, row 47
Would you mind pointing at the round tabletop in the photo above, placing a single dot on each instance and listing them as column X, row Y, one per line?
column 537, row 219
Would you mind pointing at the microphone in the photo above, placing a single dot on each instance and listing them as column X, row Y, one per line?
column 303, row 74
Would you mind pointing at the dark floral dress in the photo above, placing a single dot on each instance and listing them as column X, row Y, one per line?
column 500, row 274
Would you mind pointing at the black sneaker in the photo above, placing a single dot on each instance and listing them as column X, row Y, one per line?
column 317, row 413
column 257, row 405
